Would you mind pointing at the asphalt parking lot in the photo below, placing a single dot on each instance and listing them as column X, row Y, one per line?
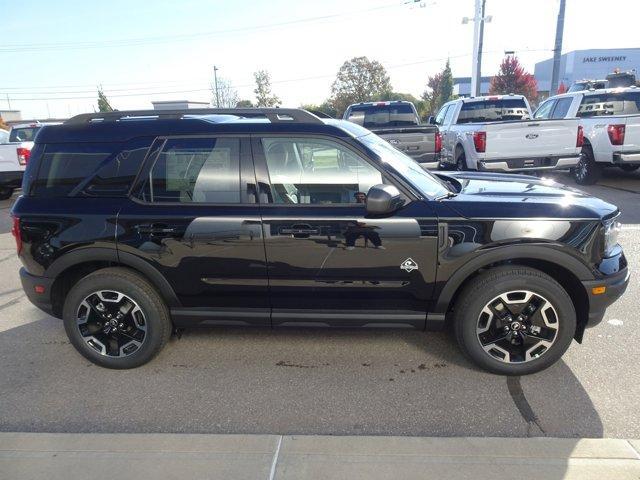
column 304, row 381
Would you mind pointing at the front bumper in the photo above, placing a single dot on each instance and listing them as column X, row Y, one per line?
column 29, row 284
column 528, row 164
column 11, row 179
column 615, row 285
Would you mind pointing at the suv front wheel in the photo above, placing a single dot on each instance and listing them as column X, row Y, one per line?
column 514, row 320
column 116, row 319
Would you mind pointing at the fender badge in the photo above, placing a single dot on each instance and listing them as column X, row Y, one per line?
column 409, row 265
column 531, row 136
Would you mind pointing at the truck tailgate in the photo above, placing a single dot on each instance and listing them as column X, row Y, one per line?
column 632, row 134
column 532, row 139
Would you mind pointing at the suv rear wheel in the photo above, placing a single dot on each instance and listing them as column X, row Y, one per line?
column 116, row 319
column 514, row 320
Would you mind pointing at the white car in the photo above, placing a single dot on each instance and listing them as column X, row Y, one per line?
column 610, row 120
column 496, row 134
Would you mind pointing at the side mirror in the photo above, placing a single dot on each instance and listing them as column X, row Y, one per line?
column 431, row 120
column 383, row 199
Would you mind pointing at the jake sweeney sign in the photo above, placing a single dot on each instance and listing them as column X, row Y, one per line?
column 608, row 58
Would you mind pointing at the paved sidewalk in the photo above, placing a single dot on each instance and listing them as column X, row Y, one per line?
column 37, row 456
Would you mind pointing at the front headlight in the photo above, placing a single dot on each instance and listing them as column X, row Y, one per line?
column 612, row 229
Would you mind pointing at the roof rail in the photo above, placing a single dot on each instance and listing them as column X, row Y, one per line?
column 275, row 115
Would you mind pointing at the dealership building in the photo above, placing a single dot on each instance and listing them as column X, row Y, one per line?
column 576, row 65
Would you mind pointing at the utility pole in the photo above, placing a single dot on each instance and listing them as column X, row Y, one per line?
column 478, row 33
column 215, row 82
column 476, row 92
column 8, row 101
column 557, row 51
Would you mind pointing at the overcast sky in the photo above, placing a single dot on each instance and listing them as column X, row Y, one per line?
column 57, row 52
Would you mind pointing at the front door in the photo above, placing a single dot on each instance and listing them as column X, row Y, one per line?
column 328, row 262
column 194, row 218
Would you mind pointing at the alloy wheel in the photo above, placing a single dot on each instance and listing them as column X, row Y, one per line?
column 111, row 323
column 517, row 326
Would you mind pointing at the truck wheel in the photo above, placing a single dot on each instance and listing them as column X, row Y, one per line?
column 587, row 172
column 116, row 319
column 629, row 168
column 514, row 320
column 461, row 162
column 5, row 193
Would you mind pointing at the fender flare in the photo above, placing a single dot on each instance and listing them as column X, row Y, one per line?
column 93, row 254
column 513, row 252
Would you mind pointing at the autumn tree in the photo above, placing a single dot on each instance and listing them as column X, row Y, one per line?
column 103, row 102
column 562, row 88
column 264, row 95
column 358, row 80
column 439, row 90
column 512, row 78
column 227, row 96
column 3, row 125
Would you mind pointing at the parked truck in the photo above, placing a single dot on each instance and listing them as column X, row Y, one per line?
column 497, row 134
column 610, row 121
column 399, row 124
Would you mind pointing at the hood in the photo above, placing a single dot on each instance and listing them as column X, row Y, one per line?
column 490, row 195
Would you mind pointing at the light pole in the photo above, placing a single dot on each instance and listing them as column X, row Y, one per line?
column 215, row 82
column 557, row 50
column 478, row 33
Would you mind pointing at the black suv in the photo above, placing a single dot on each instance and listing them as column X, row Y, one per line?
column 134, row 224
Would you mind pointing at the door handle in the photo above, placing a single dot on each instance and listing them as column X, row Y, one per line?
column 155, row 229
column 301, row 230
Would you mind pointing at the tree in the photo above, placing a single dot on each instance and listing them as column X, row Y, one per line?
column 264, row 96
column 512, row 78
column 562, row 88
column 3, row 125
column 439, row 90
column 103, row 102
column 325, row 107
column 227, row 95
column 358, row 80
column 244, row 104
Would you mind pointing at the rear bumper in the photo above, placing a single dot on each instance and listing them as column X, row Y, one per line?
column 615, row 285
column 40, row 300
column 528, row 164
column 11, row 179
column 626, row 157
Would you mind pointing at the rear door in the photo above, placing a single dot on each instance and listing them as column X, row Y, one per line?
column 193, row 216
column 328, row 262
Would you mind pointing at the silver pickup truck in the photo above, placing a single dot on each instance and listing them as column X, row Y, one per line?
column 399, row 124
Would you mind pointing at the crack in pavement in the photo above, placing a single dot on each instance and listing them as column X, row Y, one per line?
column 523, row 406
column 11, row 302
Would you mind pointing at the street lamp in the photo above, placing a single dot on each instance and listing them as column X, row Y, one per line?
column 478, row 33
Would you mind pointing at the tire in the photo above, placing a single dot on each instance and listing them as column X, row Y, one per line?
column 555, row 317
column 588, row 171
column 147, row 324
column 6, row 193
column 461, row 162
column 629, row 168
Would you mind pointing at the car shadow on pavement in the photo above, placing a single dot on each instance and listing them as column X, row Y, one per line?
column 287, row 381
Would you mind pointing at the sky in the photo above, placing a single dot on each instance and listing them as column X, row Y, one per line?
column 55, row 53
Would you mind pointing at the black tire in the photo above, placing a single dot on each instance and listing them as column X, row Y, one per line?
column 588, row 171
column 489, row 285
column 461, row 161
column 5, row 193
column 629, row 168
column 157, row 321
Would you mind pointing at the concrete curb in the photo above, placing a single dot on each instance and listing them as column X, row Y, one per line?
column 168, row 456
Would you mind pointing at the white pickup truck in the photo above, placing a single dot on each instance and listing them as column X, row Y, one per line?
column 610, row 120
column 497, row 134
column 14, row 156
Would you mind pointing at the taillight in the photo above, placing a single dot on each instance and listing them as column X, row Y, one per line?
column 15, row 231
column 438, row 141
column 480, row 141
column 616, row 134
column 580, row 136
column 23, row 155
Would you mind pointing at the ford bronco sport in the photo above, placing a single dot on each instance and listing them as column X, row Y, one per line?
column 134, row 224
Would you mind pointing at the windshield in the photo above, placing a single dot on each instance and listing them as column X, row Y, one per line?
column 494, row 110
column 25, row 134
column 392, row 115
column 406, row 167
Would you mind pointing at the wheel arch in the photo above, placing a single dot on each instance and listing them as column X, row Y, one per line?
column 73, row 266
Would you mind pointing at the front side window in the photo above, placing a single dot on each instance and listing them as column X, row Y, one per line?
column 623, row 103
column 544, row 111
column 196, row 170
column 441, row 114
column 317, row 171
column 449, row 115
column 562, row 108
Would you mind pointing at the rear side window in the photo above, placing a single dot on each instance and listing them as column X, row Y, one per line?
column 23, row 134
column 392, row 115
column 624, row 103
column 88, row 169
column 562, row 107
column 493, row 110
column 196, row 170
